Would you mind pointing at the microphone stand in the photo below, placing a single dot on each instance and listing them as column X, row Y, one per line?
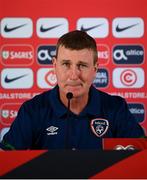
column 69, row 96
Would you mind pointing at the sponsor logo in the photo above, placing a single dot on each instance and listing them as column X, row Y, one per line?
column 17, row 55
column 9, row 80
column 138, row 111
column 95, row 27
column 9, row 112
column 128, row 27
column 42, row 29
column 51, row 27
column 12, row 78
column 102, row 78
column 121, row 147
column 99, row 126
column 7, row 29
column 45, row 54
column 128, row 54
column 52, row 130
column 119, row 29
column 128, row 77
column 103, row 54
column 89, row 28
column 3, row 132
column 16, row 27
column 46, row 78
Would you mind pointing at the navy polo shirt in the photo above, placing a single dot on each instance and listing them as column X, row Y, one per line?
column 42, row 123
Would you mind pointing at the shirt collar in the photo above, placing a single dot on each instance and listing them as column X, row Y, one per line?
column 58, row 107
column 92, row 108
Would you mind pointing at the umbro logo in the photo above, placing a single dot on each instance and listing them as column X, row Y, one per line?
column 52, row 130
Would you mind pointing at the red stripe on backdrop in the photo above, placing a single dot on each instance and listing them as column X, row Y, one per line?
column 134, row 167
column 9, row 160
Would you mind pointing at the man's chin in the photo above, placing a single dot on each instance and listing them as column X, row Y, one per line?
column 77, row 94
column 74, row 89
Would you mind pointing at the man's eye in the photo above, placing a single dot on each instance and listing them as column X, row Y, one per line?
column 66, row 64
column 82, row 66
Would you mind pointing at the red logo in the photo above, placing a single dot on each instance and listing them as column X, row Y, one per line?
column 50, row 78
column 8, row 113
column 128, row 77
column 17, row 55
column 103, row 54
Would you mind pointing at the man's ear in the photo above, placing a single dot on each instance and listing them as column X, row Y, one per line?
column 54, row 60
column 96, row 66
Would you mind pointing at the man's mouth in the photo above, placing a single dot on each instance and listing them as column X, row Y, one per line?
column 74, row 85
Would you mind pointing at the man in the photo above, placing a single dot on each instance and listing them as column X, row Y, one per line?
column 45, row 122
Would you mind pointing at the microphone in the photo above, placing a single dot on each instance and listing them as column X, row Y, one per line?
column 69, row 96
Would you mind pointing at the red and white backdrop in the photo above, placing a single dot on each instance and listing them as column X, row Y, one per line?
column 30, row 30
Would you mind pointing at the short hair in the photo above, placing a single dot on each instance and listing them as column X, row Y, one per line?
column 77, row 40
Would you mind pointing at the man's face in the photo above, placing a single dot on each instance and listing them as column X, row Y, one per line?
column 75, row 71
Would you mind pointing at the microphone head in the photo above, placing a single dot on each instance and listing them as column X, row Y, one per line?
column 69, row 95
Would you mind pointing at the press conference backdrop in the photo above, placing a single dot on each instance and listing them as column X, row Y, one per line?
column 30, row 30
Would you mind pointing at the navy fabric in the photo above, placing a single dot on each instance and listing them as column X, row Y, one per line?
column 42, row 123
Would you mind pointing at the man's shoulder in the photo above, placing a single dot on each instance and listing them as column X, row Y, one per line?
column 109, row 99
column 40, row 100
column 40, row 97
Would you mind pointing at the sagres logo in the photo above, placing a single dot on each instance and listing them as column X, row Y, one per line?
column 102, row 78
column 128, row 77
column 46, row 78
column 138, row 111
column 95, row 27
column 128, row 54
column 8, row 113
column 103, row 54
column 51, row 27
column 17, row 78
column 17, row 55
column 16, row 27
column 130, row 27
column 45, row 54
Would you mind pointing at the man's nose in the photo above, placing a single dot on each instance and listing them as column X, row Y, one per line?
column 74, row 73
